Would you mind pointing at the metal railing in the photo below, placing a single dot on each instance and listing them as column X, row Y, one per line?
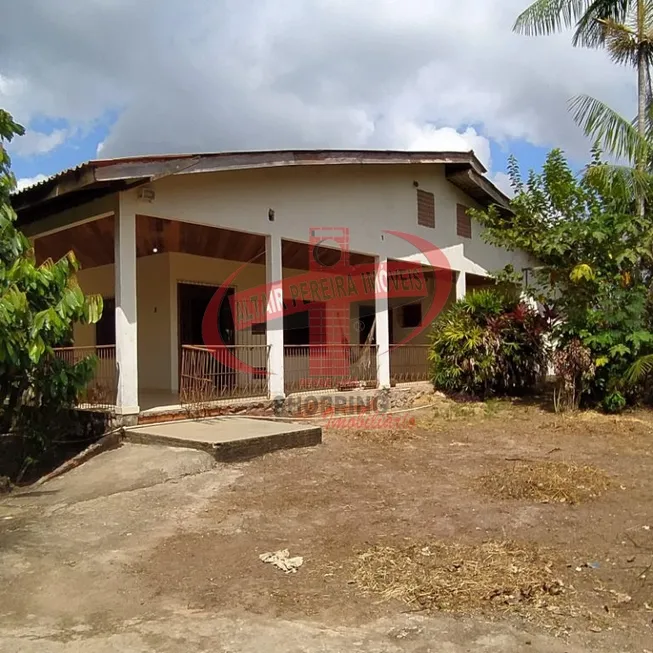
column 211, row 373
column 409, row 363
column 329, row 367
column 101, row 391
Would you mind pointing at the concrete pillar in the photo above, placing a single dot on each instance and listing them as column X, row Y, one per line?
column 126, row 316
column 274, row 321
column 382, row 324
column 461, row 285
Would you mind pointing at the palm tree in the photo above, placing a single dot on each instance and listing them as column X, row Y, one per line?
column 630, row 42
column 625, row 29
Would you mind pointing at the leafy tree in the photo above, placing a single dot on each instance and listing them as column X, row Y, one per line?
column 38, row 306
column 593, row 255
column 488, row 343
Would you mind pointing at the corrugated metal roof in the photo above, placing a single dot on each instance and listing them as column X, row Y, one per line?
column 108, row 175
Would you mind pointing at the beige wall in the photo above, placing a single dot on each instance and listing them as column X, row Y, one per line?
column 154, row 316
column 157, row 279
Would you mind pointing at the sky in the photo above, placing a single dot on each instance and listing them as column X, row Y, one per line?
column 108, row 78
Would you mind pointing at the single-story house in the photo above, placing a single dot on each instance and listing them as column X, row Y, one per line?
column 222, row 274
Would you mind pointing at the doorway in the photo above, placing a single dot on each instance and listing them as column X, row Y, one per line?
column 192, row 302
column 366, row 318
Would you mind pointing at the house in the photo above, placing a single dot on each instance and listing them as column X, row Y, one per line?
column 263, row 273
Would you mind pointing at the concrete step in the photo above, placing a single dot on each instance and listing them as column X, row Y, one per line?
column 229, row 438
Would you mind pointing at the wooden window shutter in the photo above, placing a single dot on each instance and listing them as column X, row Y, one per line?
column 425, row 209
column 463, row 222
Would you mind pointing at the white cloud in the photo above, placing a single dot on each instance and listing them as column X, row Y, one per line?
column 227, row 74
column 25, row 182
column 502, row 182
column 426, row 137
column 34, row 142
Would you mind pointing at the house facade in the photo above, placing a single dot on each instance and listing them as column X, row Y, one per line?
column 266, row 273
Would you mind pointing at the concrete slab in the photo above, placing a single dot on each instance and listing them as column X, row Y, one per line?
column 131, row 467
column 229, row 438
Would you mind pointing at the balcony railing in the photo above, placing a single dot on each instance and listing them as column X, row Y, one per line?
column 409, row 363
column 101, row 391
column 223, row 372
column 329, row 367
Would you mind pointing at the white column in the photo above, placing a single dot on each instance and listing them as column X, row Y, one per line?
column 126, row 322
column 382, row 324
column 274, row 322
column 461, row 285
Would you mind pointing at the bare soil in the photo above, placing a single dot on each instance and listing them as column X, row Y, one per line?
column 352, row 494
column 156, row 549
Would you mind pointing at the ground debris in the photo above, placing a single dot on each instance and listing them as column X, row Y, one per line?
column 282, row 560
column 545, row 481
column 460, row 577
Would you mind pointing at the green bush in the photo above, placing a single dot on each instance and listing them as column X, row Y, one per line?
column 614, row 402
column 489, row 343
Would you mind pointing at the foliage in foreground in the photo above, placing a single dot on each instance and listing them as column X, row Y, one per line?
column 593, row 254
column 489, row 343
column 38, row 306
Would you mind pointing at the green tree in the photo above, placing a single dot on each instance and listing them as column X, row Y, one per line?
column 593, row 256
column 38, row 306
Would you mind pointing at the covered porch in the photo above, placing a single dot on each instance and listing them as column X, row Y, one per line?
column 157, row 350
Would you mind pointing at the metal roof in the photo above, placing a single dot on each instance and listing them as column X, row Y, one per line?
column 99, row 177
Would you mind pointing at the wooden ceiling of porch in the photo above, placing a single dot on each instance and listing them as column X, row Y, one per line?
column 93, row 244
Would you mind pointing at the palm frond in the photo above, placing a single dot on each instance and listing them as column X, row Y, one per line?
column 590, row 32
column 639, row 369
column 624, row 183
column 620, row 41
column 603, row 124
column 545, row 17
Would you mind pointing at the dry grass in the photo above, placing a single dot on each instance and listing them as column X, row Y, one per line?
column 547, row 482
column 459, row 577
column 377, row 436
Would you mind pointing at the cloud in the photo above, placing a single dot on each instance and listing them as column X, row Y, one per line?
column 227, row 74
column 502, row 182
column 25, row 182
column 34, row 142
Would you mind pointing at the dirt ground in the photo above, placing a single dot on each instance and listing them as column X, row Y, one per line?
column 153, row 549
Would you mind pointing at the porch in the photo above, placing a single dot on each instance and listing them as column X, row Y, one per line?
column 173, row 334
column 203, row 377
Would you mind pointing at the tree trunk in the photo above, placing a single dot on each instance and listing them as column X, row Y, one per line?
column 641, row 94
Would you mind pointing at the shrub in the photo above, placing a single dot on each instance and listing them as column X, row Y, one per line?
column 488, row 343
column 613, row 403
column 574, row 369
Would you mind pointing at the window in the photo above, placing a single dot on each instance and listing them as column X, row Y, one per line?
column 305, row 327
column 463, row 222
column 105, row 328
column 296, row 329
column 411, row 316
column 425, row 209
column 259, row 329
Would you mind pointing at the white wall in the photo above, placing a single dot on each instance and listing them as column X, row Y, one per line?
column 367, row 199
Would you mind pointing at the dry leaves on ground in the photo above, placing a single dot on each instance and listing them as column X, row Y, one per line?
column 546, row 481
column 460, row 577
